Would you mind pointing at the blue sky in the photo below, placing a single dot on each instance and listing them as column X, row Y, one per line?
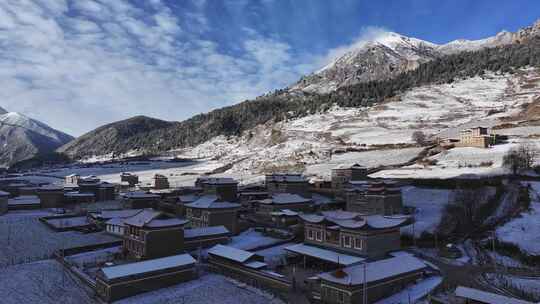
column 79, row 64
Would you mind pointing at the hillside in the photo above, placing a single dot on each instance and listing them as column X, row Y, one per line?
column 130, row 135
column 288, row 104
column 22, row 138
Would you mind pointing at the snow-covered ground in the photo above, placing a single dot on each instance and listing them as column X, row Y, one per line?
column 179, row 173
column 210, row 288
column 42, row 282
column 530, row 286
column 524, row 231
column 23, row 238
column 429, row 204
column 441, row 110
column 413, row 293
column 370, row 159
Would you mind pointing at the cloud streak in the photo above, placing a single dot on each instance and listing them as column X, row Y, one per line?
column 79, row 64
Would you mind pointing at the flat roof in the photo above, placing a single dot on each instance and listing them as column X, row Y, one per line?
column 375, row 271
column 231, row 253
column 120, row 271
column 24, row 200
column 205, row 231
column 486, row 297
column 325, row 254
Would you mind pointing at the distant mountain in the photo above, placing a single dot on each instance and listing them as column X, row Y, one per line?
column 388, row 55
column 122, row 136
column 391, row 54
column 377, row 71
column 22, row 138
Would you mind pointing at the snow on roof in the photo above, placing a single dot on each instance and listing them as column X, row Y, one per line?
column 109, row 214
column 286, row 198
column 116, row 221
column 256, row 265
column 354, row 220
column 2, row 193
column 231, row 253
column 211, row 202
column 376, row 271
column 120, row 271
column 286, row 212
column 205, row 231
column 486, row 297
column 218, row 180
column 51, row 187
column 170, row 222
column 188, row 198
column 153, row 219
column 324, row 254
column 78, row 194
column 24, row 200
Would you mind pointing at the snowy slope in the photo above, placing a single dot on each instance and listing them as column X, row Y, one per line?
column 311, row 142
column 22, row 137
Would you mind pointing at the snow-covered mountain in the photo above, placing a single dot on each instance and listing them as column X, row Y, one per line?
column 384, row 57
column 390, row 54
column 22, row 137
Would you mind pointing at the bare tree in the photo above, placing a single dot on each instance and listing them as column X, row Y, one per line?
column 520, row 158
column 419, row 137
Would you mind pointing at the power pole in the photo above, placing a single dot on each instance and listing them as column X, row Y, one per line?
column 365, row 284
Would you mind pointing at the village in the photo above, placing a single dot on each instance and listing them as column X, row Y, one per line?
column 286, row 239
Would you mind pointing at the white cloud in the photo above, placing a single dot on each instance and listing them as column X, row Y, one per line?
column 80, row 64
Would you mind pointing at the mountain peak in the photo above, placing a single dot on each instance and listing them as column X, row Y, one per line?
column 3, row 111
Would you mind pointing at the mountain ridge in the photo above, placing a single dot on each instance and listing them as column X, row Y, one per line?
column 289, row 103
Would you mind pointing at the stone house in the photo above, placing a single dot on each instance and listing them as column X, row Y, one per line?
column 72, row 179
column 152, row 234
column 139, row 200
column 375, row 198
column 476, row 137
column 281, row 201
column 377, row 280
column 287, row 183
column 209, row 210
column 344, row 173
column 121, row 281
column 129, row 178
column 51, row 196
column 161, row 182
column 350, row 232
column 223, row 187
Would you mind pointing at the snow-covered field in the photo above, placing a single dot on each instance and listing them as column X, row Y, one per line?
column 441, row 110
column 530, row 286
column 524, row 231
column 461, row 162
column 42, row 282
column 46, row 282
column 370, row 159
column 179, row 173
column 23, row 238
column 429, row 204
column 210, row 288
